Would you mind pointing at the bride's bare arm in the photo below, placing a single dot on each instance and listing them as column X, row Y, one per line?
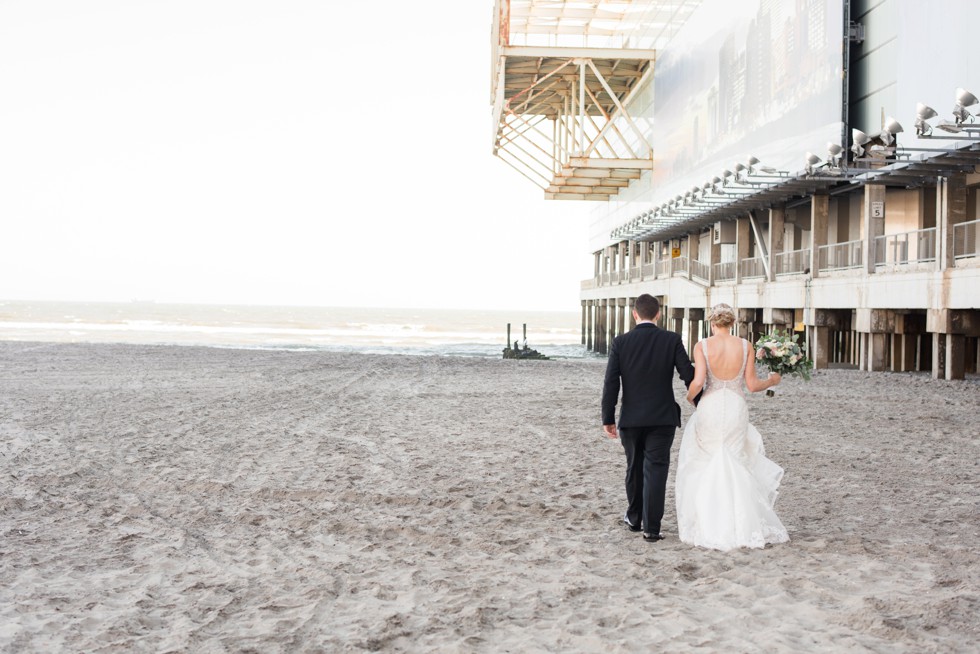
column 700, row 372
column 752, row 381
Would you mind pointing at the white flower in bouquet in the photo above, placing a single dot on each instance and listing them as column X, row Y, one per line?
column 782, row 354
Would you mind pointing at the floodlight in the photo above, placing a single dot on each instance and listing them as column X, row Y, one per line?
column 922, row 114
column 965, row 98
column 834, row 151
column 811, row 161
column 961, row 114
column 752, row 161
column 860, row 139
column 925, row 112
column 888, row 132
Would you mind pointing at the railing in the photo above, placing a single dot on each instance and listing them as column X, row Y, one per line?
column 663, row 267
column 604, row 279
column 648, row 270
column 725, row 270
column 965, row 243
column 792, row 263
column 840, row 256
column 680, row 265
column 589, row 284
column 635, row 273
column 700, row 270
column 905, row 248
column 752, row 268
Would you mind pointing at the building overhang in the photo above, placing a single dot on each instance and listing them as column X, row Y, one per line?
column 913, row 168
column 560, row 114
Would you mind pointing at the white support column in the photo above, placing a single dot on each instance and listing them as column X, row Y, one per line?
column 950, row 211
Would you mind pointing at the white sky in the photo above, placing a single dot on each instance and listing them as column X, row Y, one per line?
column 276, row 152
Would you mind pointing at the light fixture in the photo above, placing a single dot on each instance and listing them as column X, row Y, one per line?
column 922, row 114
column 888, row 132
column 961, row 114
column 964, row 99
column 834, row 151
column 860, row 139
column 812, row 161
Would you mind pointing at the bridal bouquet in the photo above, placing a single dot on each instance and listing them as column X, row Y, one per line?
column 782, row 354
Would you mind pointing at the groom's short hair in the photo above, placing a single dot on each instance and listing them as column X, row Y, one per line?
column 647, row 307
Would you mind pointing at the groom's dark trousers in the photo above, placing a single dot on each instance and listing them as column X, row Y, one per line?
column 647, row 463
column 642, row 362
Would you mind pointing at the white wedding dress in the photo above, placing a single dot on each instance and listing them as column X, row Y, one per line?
column 726, row 487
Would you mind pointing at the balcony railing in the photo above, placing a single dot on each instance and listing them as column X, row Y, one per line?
column 752, row 268
column 794, row 262
column 908, row 247
column 917, row 246
column 965, row 243
column 724, row 270
column 700, row 270
column 840, row 256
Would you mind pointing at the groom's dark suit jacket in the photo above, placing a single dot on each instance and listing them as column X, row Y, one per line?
column 645, row 358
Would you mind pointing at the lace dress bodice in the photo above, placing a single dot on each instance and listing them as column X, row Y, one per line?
column 712, row 384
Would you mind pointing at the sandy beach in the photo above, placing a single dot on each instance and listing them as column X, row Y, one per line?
column 183, row 499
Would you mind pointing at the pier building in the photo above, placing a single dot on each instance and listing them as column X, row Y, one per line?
column 783, row 157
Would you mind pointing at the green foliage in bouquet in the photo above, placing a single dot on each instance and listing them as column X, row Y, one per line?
column 782, row 354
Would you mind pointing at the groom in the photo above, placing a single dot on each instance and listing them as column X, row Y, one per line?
column 645, row 359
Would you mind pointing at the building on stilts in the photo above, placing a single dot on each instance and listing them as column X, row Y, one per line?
column 784, row 158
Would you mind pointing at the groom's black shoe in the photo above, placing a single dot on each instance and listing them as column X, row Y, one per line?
column 629, row 525
column 652, row 538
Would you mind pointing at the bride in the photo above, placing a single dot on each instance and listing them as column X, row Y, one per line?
column 726, row 487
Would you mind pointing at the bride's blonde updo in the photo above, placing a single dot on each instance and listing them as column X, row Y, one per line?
column 722, row 315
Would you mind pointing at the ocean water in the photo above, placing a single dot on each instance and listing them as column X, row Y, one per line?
column 448, row 332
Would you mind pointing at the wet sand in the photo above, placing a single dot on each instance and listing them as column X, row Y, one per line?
column 174, row 499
